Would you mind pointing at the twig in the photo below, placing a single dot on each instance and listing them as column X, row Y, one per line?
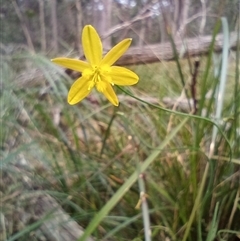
column 145, row 210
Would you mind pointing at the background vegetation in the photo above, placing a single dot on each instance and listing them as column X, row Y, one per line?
column 83, row 155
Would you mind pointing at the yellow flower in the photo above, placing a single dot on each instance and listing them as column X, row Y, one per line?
column 98, row 71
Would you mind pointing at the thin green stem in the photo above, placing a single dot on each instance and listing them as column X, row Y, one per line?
column 183, row 114
column 129, row 182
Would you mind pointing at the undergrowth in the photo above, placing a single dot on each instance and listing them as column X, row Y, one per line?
column 82, row 155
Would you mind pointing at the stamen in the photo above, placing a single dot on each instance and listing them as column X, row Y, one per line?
column 91, row 85
column 101, row 86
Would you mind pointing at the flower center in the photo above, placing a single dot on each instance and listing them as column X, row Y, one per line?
column 99, row 77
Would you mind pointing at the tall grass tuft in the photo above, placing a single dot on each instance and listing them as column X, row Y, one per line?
column 89, row 156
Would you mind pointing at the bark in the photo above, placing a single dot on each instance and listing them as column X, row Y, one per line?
column 175, row 19
column 183, row 17
column 70, row 27
column 58, row 226
column 106, row 22
column 24, row 26
column 142, row 34
column 42, row 25
column 126, row 23
column 163, row 52
column 162, row 29
column 181, row 8
column 54, row 26
column 79, row 25
column 95, row 14
column 26, row 205
column 204, row 17
column 175, row 16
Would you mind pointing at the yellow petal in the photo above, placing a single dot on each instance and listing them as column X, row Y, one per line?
column 116, row 52
column 110, row 95
column 78, row 91
column 74, row 64
column 92, row 45
column 123, row 76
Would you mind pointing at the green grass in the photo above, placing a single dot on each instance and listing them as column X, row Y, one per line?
column 89, row 156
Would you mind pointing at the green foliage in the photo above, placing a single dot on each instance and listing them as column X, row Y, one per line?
column 88, row 156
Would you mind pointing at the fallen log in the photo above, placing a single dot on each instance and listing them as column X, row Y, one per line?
column 29, row 213
column 164, row 52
